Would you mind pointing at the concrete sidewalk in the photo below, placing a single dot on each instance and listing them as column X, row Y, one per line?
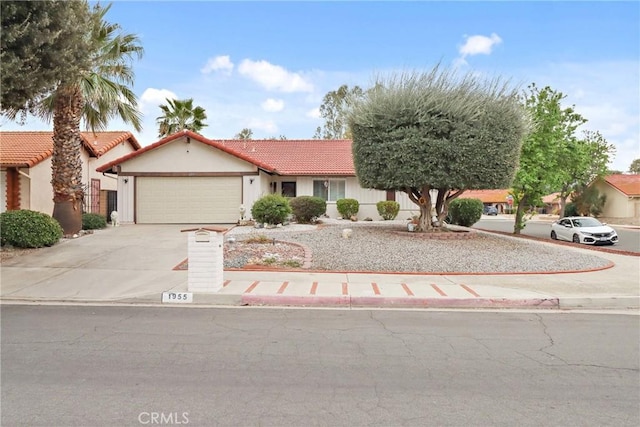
column 133, row 264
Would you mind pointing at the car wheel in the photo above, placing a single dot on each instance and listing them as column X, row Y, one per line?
column 576, row 238
column 554, row 236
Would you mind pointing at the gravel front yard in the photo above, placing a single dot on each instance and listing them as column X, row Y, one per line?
column 387, row 247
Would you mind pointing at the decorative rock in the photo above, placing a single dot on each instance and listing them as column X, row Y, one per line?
column 346, row 233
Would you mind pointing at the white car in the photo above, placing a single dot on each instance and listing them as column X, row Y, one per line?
column 583, row 229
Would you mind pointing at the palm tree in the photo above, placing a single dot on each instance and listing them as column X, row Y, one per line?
column 180, row 115
column 94, row 95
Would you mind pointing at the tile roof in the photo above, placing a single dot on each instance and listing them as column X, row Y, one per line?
column 487, row 196
column 629, row 184
column 28, row 148
column 284, row 157
column 551, row 198
column 299, row 157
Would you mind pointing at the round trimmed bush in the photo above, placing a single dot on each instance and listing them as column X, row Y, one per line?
column 92, row 221
column 465, row 212
column 347, row 207
column 305, row 208
column 28, row 229
column 271, row 209
column 388, row 209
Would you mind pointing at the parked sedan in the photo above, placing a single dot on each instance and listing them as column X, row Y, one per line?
column 490, row 210
column 583, row 229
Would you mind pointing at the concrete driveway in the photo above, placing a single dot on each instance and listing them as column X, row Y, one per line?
column 113, row 263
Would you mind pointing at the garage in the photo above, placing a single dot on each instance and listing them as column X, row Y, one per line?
column 188, row 200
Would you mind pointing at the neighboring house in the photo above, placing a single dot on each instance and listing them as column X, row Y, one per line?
column 497, row 198
column 187, row 178
column 551, row 204
column 623, row 195
column 25, row 169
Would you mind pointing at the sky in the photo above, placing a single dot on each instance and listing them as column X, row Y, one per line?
column 267, row 65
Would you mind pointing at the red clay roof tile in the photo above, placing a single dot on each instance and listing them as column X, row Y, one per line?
column 487, row 196
column 629, row 184
column 28, row 148
column 284, row 157
column 299, row 157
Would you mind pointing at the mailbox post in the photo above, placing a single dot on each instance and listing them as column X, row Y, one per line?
column 205, row 259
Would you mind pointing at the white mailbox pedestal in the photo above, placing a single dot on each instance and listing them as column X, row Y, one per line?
column 205, row 259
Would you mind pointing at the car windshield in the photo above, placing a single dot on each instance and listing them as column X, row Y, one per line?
column 586, row 222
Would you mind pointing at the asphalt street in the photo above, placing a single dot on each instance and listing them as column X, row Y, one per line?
column 104, row 366
column 629, row 238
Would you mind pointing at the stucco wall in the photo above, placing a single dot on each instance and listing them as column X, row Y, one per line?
column 107, row 182
column 126, row 185
column 180, row 156
column 617, row 205
column 36, row 192
column 3, row 190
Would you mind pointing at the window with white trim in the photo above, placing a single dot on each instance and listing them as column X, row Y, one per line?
column 329, row 189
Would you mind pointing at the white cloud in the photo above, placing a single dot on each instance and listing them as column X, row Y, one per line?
column 476, row 45
column 273, row 105
column 262, row 125
column 222, row 63
column 314, row 114
column 274, row 77
column 152, row 98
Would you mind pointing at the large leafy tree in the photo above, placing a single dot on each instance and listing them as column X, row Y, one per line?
column 42, row 42
column 180, row 115
column 541, row 166
column 434, row 135
column 95, row 96
column 635, row 167
column 584, row 159
column 334, row 109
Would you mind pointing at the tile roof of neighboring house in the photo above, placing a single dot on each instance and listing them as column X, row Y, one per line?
column 629, row 184
column 487, row 196
column 27, row 149
column 299, row 157
column 284, row 157
column 551, row 198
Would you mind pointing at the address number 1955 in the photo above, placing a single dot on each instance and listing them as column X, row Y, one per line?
column 177, row 297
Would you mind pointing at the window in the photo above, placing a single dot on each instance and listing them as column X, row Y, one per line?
column 289, row 189
column 329, row 190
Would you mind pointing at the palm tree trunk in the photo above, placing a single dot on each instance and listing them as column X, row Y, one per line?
column 66, row 163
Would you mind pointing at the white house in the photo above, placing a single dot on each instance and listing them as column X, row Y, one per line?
column 187, row 178
column 25, row 169
column 623, row 195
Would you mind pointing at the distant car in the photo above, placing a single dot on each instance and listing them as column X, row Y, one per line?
column 490, row 210
column 583, row 229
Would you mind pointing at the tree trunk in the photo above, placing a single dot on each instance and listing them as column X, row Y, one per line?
column 563, row 205
column 519, row 223
column 425, row 210
column 66, row 163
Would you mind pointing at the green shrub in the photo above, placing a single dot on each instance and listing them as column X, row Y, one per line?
column 348, row 207
column 465, row 212
column 388, row 209
column 92, row 221
column 271, row 209
column 571, row 209
column 28, row 229
column 305, row 208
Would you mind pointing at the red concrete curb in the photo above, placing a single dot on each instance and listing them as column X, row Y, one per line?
column 401, row 302
column 325, row 301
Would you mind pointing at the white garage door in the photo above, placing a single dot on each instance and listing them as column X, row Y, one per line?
column 188, row 200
